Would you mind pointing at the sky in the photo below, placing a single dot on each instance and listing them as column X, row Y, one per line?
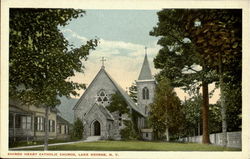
column 123, row 36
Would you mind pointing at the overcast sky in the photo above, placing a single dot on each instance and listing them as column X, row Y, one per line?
column 123, row 35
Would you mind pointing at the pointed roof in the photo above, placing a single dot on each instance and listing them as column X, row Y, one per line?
column 145, row 73
column 105, row 112
column 128, row 100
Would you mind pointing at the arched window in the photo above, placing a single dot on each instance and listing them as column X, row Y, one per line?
column 102, row 98
column 145, row 93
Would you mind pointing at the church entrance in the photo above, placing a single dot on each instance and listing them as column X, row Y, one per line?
column 97, row 128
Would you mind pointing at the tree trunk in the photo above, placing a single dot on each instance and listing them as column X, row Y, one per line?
column 223, row 114
column 223, row 105
column 46, row 128
column 167, row 135
column 205, row 104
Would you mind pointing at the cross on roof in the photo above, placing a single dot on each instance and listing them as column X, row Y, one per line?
column 103, row 60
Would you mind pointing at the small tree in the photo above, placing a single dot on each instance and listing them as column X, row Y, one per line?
column 77, row 131
column 133, row 92
column 118, row 104
column 166, row 110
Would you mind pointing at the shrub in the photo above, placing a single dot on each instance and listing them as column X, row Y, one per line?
column 128, row 133
column 77, row 131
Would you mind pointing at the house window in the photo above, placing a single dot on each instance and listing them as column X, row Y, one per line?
column 40, row 123
column 66, row 129
column 11, row 118
column 145, row 93
column 146, row 134
column 58, row 128
column 102, row 97
column 18, row 121
column 51, row 126
column 26, row 122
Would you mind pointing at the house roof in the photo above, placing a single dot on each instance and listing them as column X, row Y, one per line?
column 128, row 100
column 145, row 73
column 15, row 109
column 15, row 102
column 61, row 120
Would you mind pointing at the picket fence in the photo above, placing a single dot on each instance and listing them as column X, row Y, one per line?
column 233, row 139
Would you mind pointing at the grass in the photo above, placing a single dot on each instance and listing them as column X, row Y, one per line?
column 138, row 146
column 40, row 142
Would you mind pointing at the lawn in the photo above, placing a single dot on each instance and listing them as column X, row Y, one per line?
column 50, row 141
column 138, row 146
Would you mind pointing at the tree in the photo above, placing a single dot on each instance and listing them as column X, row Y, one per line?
column 192, row 113
column 215, row 118
column 118, row 103
column 218, row 39
column 41, row 61
column 166, row 110
column 179, row 60
column 133, row 92
column 77, row 131
column 215, row 38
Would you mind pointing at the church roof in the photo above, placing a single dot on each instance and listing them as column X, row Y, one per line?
column 145, row 73
column 128, row 100
column 105, row 112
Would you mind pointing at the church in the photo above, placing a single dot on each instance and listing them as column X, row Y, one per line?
column 91, row 108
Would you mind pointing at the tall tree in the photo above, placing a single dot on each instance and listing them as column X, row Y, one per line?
column 179, row 60
column 166, row 110
column 215, row 36
column 41, row 60
column 218, row 39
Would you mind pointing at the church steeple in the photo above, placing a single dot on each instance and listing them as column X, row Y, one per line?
column 145, row 73
column 145, row 86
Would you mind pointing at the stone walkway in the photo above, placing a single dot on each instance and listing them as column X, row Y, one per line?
column 89, row 139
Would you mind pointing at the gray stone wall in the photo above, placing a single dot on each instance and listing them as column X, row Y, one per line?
column 101, row 82
column 95, row 115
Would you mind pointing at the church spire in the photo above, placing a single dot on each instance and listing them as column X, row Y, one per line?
column 145, row 73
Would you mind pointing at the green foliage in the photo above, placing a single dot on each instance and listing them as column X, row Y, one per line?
column 128, row 133
column 215, row 44
column 133, row 92
column 220, row 34
column 77, row 130
column 192, row 111
column 215, row 120
column 234, row 106
column 118, row 103
column 166, row 110
column 40, row 62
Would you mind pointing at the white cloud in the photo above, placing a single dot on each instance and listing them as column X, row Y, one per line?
column 123, row 61
column 72, row 36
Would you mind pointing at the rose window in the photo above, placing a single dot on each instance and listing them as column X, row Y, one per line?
column 102, row 98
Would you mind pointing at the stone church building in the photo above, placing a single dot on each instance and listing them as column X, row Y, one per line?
column 98, row 121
